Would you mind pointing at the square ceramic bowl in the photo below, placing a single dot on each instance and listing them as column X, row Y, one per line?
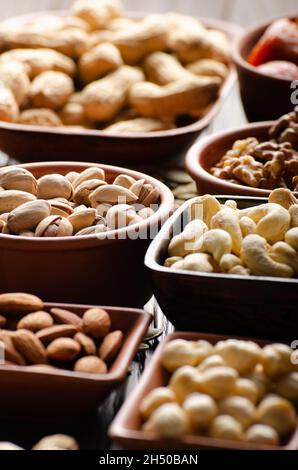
column 126, row 428
column 33, row 143
column 62, row 394
column 261, row 307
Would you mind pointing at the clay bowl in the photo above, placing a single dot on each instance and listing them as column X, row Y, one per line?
column 62, row 394
column 264, row 97
column 90, row 269
column 126, row 428
column 203, row 155
column 31, row 143
column 261, row 307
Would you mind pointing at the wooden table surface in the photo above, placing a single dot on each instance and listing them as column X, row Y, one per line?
column 91, row 431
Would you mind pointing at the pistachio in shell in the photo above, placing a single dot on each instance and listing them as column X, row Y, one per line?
column 28, row 216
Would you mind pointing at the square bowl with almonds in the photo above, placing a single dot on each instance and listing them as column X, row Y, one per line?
column 60, row 361
column 135, row 87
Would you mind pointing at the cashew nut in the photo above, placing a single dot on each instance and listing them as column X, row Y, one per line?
column 239, row 271
column 272, row 221
column 157, row 397
column 169, row 262
column 184, row 381
column 255, row 256
column 248, row 226
column 241, row 355
column 227, row 220
column 228, row 262
column 262, row 434
column 204, row 208
column 200, row 410
column 226, row 427
column 291, row 237
column 284, row 253
column 278, row 413
column 294, row 215
column 239, row 408
column 200, row 262
column 216, row 242
column 186, row 242
column 169, row 421
column 283, row 197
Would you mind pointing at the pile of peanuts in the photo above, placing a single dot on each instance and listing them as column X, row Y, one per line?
column 75, row 204
column 97, row 69
column 232, row 390
column 44, row 340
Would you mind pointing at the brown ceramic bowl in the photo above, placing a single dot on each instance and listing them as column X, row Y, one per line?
column 62, row 394
column 205, row 154
column 105, row 268
column 264, row 97
column 261, row 307
column 126, row 429
column 31, row 143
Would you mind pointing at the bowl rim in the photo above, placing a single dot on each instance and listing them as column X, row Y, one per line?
column 165, row 208
column 121, row 433
column 233, row 31
column 198, row 172
column 151, row 258
column 240, row 42
column 126, row 353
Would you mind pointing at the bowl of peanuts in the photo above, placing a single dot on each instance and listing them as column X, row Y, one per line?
column 62, row 360
column 79, row 231
column 205, row 391
column 248, row 161
column 113, row 88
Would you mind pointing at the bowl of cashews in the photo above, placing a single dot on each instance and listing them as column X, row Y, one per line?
column 131, row 87
column 230, row 266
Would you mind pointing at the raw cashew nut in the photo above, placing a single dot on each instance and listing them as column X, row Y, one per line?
column 178, row 353
column 229, row 262
column 272, row 221
column 248, row 226
column 291, row 237
column 184, row 382
column 226, row 427
column 241, row 355
column 187, row 242
column 282, row 196
column 283, row 253
column 157, row 397
column 216, row 242
column 239, row 408
column 200, row 262
column 204, row 208
column 294, row 215
column 278, row 413
column 168, row 421
column 200, row 410
column 227, row 220
column 255, row 256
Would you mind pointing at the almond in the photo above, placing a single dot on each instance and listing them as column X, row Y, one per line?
column 63, row 349
column 19, row 303
column 91, row 364
column 57, row 331
column 97, row 322
column 29, row 346
column 3, row 321
column 87, row 344
column 35, row 321
column 111, row 345
column 10, row 352
column 67, row 318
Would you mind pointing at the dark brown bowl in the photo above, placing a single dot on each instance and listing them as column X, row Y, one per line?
column 31, row 143
column 58, row 394
column 264, row 97
column 106, row 268
column 126, row 428
column 261, row 307
column 206, row 153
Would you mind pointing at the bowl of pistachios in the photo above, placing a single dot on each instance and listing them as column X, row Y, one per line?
column 79, row 231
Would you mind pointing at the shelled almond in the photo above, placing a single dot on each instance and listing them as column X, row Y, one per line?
column 75, row 204
column 57, row 338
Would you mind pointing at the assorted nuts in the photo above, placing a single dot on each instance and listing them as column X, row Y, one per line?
column 257, row 241
column 59, row 338
column 96, row 69
column 264, row 164
column 76, row 204
column 224, row 391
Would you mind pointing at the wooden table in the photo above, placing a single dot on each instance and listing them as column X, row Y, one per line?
column 91, row 431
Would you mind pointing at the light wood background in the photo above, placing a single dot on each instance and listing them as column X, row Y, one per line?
column 243, row 12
